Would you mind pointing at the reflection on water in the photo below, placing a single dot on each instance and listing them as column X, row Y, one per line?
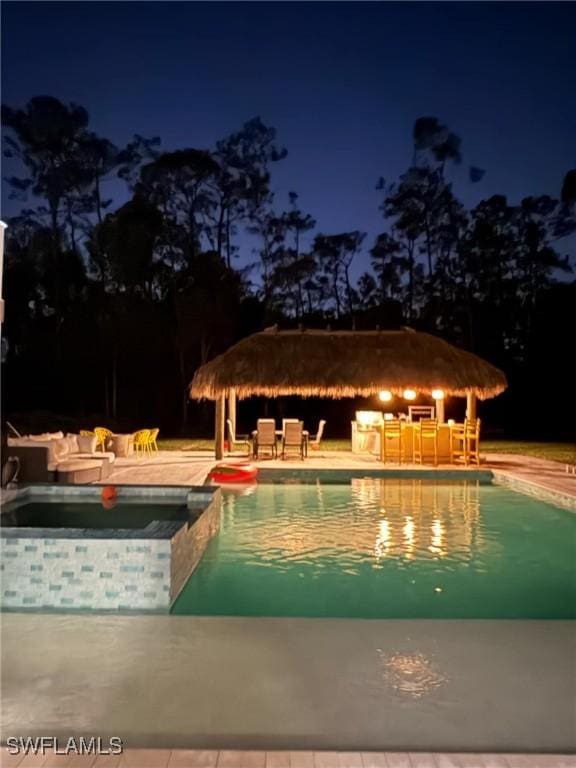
column 411, row 674
column 386, row 548
column 422, row 517
column 374, row 520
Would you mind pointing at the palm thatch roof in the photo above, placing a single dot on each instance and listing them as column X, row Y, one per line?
column 339, row 364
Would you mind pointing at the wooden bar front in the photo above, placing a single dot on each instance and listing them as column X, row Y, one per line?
column 408, row 443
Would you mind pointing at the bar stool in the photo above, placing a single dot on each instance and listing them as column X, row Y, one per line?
column 391, row 431
column 465, row 442
column 472, row 440
column 426, row 429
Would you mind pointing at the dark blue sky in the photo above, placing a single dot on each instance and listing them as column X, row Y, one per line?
column 341, row 82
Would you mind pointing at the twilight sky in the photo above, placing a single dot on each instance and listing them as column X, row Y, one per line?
column 342, row 83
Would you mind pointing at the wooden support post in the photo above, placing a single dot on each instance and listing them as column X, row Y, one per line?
column 470, row 405
column 440, row 410
column 232, row 408
column 219, row 427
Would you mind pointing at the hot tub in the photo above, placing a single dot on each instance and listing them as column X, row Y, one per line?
column 63, row 549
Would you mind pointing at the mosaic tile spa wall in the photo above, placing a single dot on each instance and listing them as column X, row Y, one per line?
column 48, row 568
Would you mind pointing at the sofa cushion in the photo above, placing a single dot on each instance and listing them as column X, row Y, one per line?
column 61, row 448
column 80, row 471
column 97, row 455
column 75, row 465
column 55, row 435
column 87, row 443
column 72, row 441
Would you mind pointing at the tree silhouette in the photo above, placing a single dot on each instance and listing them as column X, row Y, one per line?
column 153, row 284
column 435, row 142
column 335, row 254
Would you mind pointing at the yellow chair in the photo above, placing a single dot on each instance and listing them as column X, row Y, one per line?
column 465, row 442
column 102, row 437
column 472, row 440
column 425, row 430
column 457, row 443
column 391, row 442
column 140, row 441
column 152, row 437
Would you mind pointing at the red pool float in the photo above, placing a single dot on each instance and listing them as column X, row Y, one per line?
column 234, row 472
column 109, row 496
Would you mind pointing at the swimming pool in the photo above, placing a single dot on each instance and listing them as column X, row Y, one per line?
column 387, row 548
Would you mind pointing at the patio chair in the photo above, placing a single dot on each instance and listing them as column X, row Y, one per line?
column 293, row 439
column 102, row 437
column 152, row 437
column 234, row 439
column 265, row 437
column 315, row 441
column 140, row 441
column 391, row 440
column 288, row 421
column 425, row 431
column 472, row 436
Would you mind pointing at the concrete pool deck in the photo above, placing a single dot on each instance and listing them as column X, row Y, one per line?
column 192, row 467
column 180, row 682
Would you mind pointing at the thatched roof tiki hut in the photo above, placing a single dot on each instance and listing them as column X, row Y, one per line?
column 341, row 364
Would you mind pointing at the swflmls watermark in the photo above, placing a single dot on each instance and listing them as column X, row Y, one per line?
column 82, row 745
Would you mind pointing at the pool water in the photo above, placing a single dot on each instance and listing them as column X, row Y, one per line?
column 84, row 515
column 387, row 548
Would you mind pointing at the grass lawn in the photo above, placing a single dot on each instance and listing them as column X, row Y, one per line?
column 562, row 452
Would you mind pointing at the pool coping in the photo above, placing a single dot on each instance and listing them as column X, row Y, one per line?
column 223, row 758
column 532, row 488
column 189, row 496
column 410, row 473
column 489, row 475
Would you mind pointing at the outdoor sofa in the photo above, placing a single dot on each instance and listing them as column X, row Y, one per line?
column 55, row 458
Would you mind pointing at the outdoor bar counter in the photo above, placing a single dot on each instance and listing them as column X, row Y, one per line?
column 444, row 443
column 369, row 427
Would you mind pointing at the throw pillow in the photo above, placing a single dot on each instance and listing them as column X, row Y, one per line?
column 73, row 443
column 87, row 444
column 61, row 449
